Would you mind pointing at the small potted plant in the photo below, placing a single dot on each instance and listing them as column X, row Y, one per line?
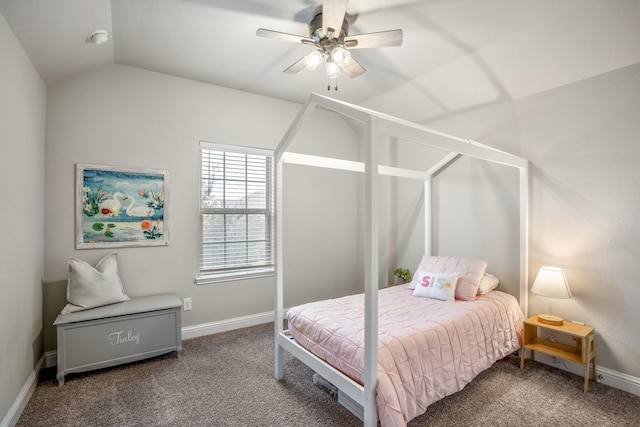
column 403, row 275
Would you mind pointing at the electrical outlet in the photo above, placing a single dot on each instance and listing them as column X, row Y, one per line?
column 186, row 304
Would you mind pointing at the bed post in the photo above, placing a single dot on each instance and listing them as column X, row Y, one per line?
column 428, row 199
column 427, row 216
column 524, row 238
column 371, row 273
column 279, row 162
column 279, row 314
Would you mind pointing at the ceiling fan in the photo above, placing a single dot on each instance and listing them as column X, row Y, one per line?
column 329, row 35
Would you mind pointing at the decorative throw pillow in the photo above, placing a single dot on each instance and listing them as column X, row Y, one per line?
column 470, row 271
column 440, row 286
column 488, row 283
column 90, row 287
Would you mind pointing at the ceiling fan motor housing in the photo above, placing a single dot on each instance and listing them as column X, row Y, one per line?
column 315, row 29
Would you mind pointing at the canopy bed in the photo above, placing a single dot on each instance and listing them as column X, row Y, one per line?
column 323, row 334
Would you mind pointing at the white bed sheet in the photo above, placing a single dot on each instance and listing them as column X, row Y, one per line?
column 428, row 349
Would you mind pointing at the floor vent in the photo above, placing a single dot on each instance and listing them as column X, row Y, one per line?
column 326, row 386
column 341, row 397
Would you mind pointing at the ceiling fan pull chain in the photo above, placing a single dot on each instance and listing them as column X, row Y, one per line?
column 335, row 84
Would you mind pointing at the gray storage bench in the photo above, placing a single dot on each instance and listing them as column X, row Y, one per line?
column 118, row 333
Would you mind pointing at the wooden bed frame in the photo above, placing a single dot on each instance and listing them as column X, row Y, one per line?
column 378, row 127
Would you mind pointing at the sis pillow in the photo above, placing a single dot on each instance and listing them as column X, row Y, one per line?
column 440, row 286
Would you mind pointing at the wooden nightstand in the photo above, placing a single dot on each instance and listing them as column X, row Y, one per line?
column 583, row 353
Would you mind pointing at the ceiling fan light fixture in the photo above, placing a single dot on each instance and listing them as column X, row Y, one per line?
column 312, row 60
column 341, row 56
column 333, row 70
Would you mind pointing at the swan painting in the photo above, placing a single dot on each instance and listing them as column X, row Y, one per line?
column 112, row 206
column 138, row 211
column 120, row 206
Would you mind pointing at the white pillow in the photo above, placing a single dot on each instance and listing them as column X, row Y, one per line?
column 488, row 283
column 440, row 286
column 90, row 287
column 470, row 271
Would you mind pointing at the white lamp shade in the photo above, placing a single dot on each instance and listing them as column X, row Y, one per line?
column 551, row 283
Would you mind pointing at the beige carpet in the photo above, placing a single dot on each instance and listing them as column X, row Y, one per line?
column 227, row 380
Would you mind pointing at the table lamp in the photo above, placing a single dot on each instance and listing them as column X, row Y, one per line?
column 551, row 283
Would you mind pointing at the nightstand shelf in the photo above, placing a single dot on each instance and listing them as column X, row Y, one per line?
column 583, row 353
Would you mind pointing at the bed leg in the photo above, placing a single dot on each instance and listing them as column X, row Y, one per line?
column 371, row 418
column 279, row 362
column 370, row 408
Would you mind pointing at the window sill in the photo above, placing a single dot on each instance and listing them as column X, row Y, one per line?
column 229, row 277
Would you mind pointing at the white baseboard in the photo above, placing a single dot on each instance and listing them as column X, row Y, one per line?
column 51, row 358
column 606, row 376
column 227, row 325
column 11, row 419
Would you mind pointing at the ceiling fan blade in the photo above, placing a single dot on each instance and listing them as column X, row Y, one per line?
column 262, row 32
column 295, row 67
column 333, row 12
column 353, row 68
column 379, row 39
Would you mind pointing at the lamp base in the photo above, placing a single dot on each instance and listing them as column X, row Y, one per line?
column 550, row 319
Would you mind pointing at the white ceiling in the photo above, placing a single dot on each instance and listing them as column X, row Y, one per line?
column 456, row 55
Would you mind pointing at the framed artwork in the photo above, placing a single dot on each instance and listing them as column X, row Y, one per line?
column 119, row 206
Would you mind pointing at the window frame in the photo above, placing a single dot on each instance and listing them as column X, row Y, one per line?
column 237, row 273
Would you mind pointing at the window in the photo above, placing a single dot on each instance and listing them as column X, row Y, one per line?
column 236, row 212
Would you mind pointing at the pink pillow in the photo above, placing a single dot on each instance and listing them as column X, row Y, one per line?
column 470, row 270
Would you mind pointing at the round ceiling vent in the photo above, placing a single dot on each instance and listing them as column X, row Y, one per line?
column 98, row 37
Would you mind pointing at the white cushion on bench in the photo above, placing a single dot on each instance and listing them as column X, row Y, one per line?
column 90, row 287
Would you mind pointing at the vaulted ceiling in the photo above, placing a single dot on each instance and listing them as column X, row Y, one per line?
column 457, row 54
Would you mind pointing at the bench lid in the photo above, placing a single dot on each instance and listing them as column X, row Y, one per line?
column 135, row 305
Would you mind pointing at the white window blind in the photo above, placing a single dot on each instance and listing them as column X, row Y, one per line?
column 236, row 211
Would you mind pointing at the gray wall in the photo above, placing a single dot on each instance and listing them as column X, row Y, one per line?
column 583, row 146
column 22, row 123
column 124, row 116
column 475, row 214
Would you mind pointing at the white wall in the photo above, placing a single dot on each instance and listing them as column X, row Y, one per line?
column 475, row 215
column 582, row 142
column 119, row 115
column 22, row 123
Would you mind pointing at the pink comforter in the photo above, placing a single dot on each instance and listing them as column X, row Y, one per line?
column 428, row 349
